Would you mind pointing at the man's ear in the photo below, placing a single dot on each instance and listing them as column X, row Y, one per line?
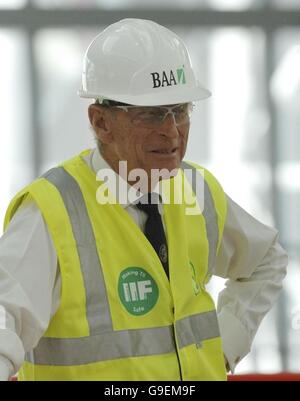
column 100, row 122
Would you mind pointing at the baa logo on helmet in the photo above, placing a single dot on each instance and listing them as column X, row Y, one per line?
column 168, row 79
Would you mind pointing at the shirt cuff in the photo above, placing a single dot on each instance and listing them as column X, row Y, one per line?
column 236, row 341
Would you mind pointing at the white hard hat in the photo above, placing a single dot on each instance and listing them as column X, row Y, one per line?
column 142, row 63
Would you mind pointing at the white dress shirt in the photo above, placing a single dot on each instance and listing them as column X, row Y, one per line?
column 250, row 258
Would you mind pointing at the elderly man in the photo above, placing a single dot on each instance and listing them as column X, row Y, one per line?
column 95, row 285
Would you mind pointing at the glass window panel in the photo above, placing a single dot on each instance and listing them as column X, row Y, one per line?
column 285, row 87
column 110, row 4
column 12, row 3
column 238, row 119
column 287, row 4
column 64, row 124
column 15, row 145
column 233, row 4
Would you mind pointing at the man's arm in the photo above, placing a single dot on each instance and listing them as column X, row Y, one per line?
column 255, row 264
column 29, row 281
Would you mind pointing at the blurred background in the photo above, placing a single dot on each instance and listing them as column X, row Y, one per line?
column 247, row 52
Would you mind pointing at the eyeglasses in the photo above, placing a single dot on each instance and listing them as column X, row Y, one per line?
column 151, row 117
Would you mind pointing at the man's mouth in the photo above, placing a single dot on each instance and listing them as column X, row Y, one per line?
column 168, row 151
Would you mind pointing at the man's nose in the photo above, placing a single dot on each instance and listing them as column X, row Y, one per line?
column 168, row 126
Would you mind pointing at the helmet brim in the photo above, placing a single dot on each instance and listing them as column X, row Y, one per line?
column 185, row 95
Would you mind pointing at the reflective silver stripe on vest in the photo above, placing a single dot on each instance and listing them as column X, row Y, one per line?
column 209, row 213
column 103, row 347
column 125, row 344
column 97, row 307
column 194, row 329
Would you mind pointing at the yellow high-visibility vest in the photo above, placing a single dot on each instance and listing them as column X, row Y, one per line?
column 120, row 318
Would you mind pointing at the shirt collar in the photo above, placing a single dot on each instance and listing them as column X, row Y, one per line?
column 121, row 190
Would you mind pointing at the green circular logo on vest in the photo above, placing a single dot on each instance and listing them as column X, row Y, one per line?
column 137, row 290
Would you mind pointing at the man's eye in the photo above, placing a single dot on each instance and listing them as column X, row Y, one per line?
column 152, row 114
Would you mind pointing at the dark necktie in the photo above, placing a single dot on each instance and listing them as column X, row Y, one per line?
column 154, row 229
